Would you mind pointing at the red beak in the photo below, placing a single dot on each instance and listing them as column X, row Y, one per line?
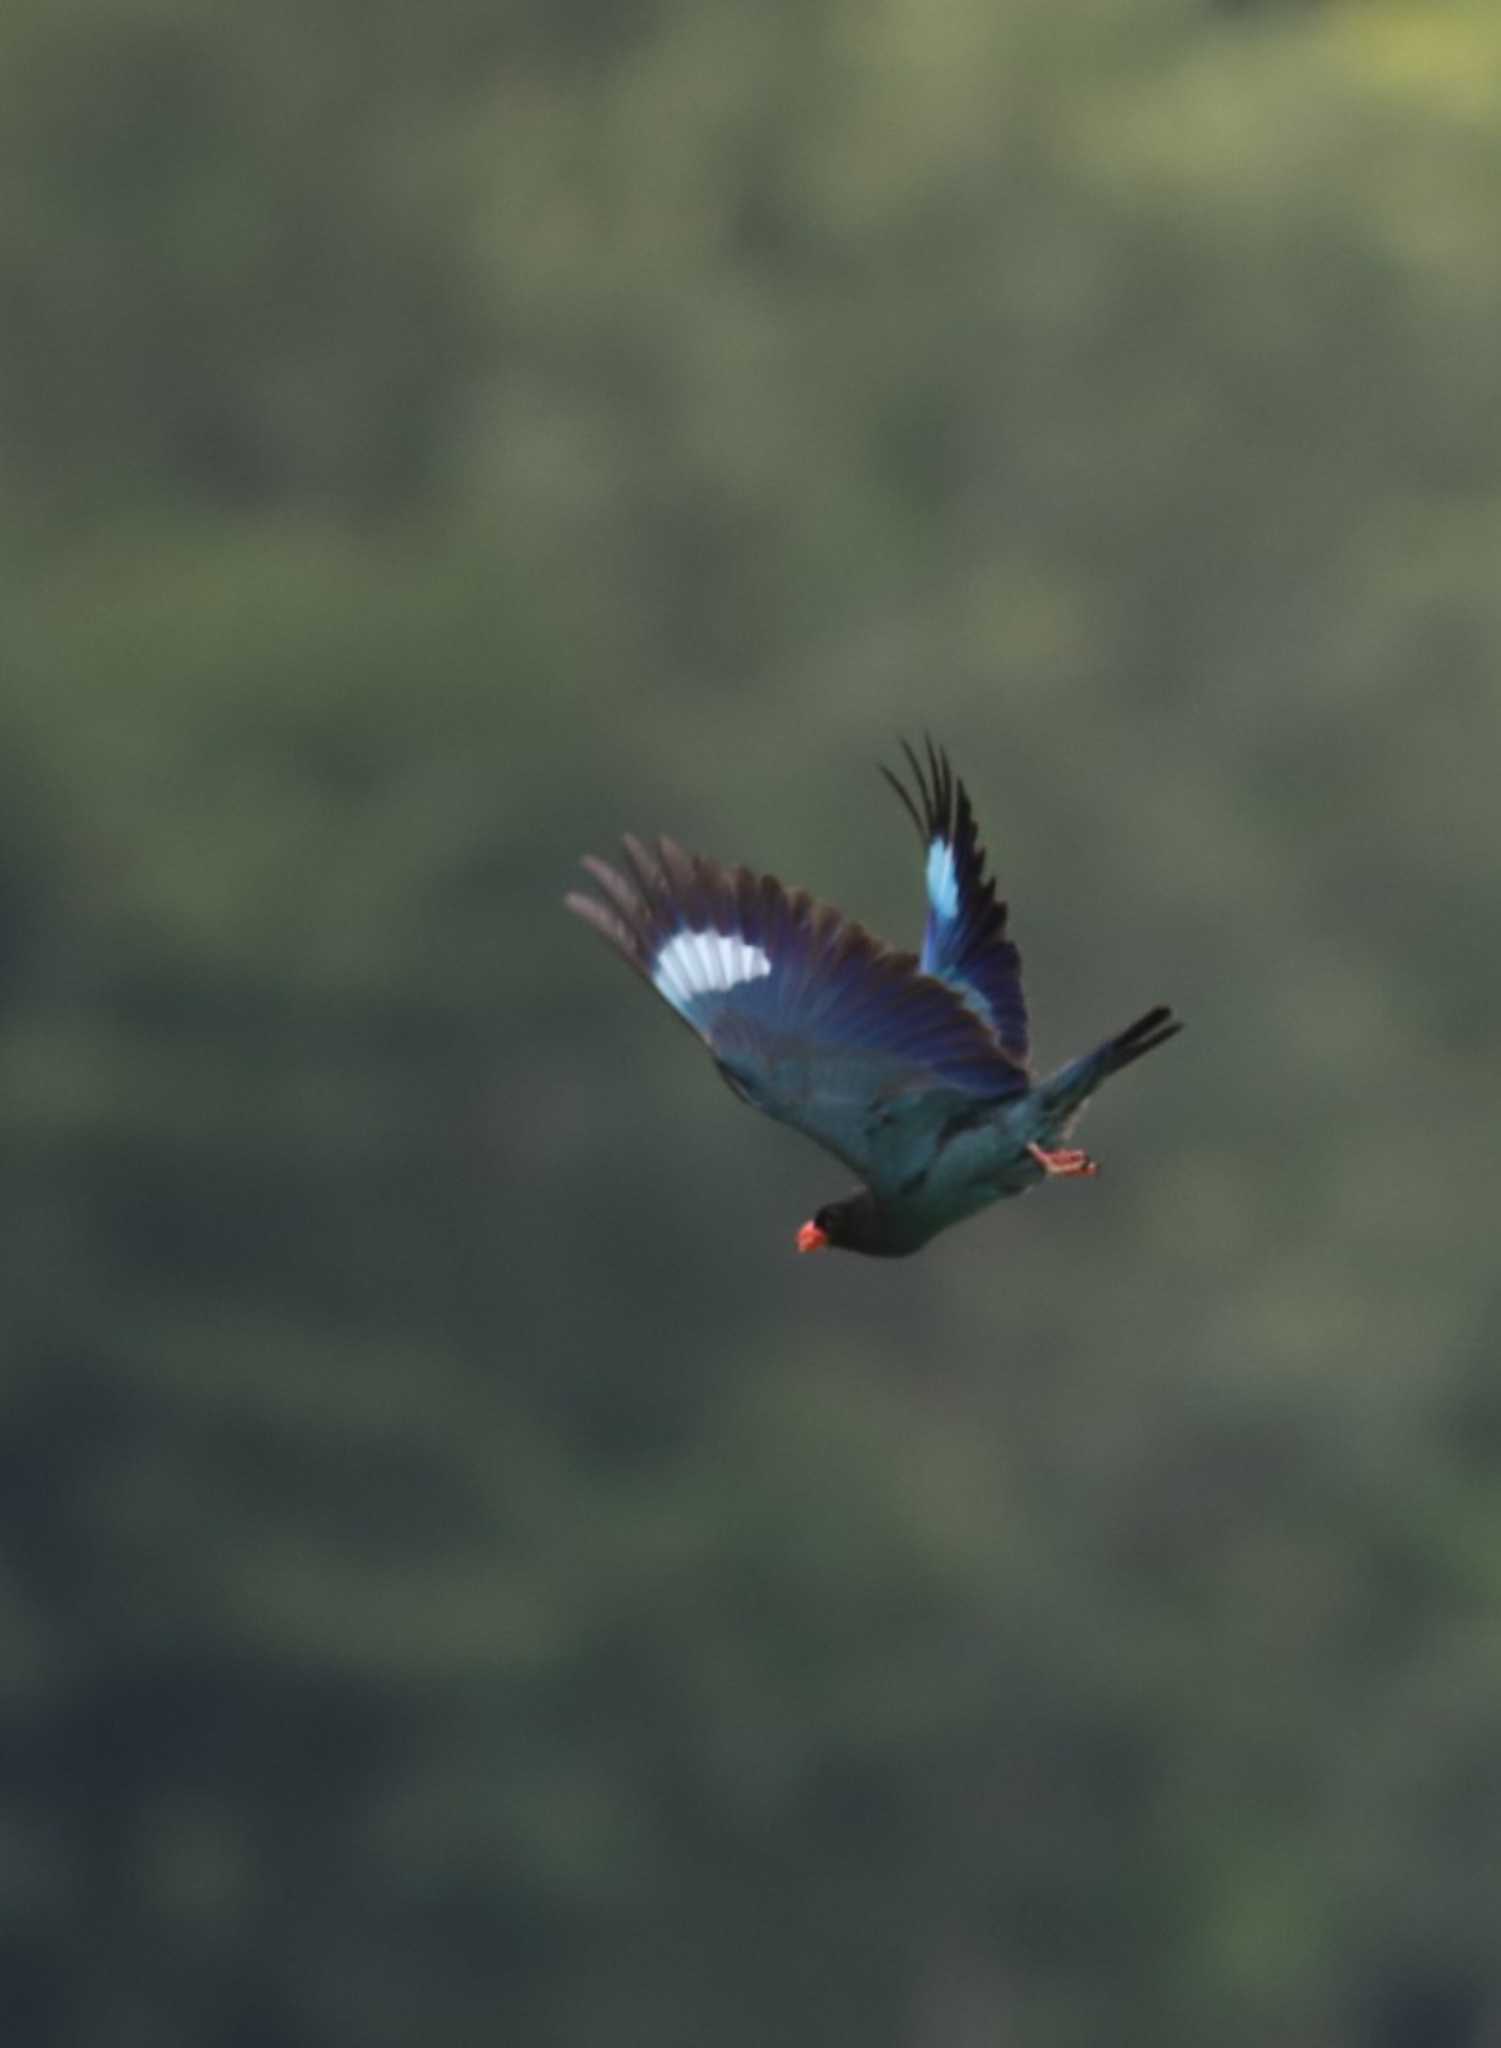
column 811, row 1239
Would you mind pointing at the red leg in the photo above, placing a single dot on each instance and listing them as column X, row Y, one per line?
column 1064, row 1163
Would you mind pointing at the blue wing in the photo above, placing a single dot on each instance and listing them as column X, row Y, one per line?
column 809, row 1017
column 965, row 943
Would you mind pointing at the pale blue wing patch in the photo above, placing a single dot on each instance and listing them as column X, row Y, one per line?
column 943, row 882
column 704, row 963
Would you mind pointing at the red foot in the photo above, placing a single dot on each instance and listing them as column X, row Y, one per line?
column 1064, row 1163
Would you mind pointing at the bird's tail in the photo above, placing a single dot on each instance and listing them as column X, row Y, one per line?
column 1067, row 1090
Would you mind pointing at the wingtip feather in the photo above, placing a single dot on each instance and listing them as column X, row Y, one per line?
column 605, row 921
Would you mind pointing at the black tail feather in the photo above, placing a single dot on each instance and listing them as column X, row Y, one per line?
column 1067, row 1090
column 1144, row 1036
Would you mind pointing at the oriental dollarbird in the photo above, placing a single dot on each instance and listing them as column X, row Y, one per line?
column 913, row 1071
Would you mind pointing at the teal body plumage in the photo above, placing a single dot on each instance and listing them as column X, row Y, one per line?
column 913, row 1071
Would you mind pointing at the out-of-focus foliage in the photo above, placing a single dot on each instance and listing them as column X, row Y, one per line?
column 463, row 1579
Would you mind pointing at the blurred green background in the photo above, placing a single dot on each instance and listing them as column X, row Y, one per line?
column 463, row 1578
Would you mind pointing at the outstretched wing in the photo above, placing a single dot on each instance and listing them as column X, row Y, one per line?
column 809, row 1017
column 965, row 943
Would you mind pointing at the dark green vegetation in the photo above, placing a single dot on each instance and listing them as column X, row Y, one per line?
column 465, row 1579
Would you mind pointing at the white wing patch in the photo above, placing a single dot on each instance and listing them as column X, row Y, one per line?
column 943, row 882
column 697, row 963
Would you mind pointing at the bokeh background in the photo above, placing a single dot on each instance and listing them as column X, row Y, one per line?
column 463, row 1578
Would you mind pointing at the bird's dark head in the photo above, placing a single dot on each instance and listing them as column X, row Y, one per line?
column 857, row 1224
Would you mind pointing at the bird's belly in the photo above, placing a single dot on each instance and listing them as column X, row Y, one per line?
column 975, row 1169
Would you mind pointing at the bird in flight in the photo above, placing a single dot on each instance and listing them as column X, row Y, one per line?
column 913, row 1071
